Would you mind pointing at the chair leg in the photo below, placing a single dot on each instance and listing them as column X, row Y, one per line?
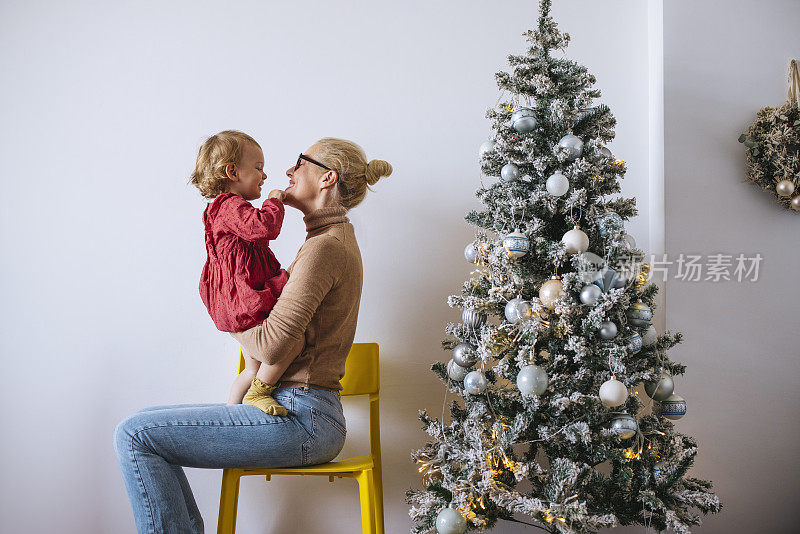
column 228, row 501
column 378, row 484
column 366, row 489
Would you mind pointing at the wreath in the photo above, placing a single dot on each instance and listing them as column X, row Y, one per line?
column 773, row 147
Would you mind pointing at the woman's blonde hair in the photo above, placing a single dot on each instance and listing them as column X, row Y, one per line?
column 356, row 174
column 215, row 154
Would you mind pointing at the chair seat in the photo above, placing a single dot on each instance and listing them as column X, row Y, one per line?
column 350, row 465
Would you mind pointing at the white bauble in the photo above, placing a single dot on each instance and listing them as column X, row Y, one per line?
column 650, row 337
column 471, row 253
column 785, row 188
column 509, row 172
column 613, row 393
column 557, row 184
column 450, row 521
column 516, row 244
column 532, row 380
column 487, row 147
column 475, row 382
column 674, row 407
column 576, row 241
column 517, row 309
column 456, row 372
column 629, row 241
column 550, row 292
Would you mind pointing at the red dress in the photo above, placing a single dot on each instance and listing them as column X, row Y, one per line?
column 242, row 279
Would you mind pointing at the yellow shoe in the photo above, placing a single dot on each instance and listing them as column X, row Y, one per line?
column 260, row 396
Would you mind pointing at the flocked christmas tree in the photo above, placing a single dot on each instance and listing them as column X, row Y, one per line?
column 548, row 422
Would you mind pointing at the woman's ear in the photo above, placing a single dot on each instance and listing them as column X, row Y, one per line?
column 230, row 172
column 329, row 179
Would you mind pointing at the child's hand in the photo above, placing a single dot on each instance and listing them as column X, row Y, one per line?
column 277, row 193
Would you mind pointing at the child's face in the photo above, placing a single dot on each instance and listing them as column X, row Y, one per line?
column 249, row 173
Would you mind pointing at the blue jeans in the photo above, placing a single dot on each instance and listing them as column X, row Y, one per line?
column 154, row 443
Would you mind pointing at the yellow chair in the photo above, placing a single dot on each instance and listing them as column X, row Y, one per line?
column 361, row 377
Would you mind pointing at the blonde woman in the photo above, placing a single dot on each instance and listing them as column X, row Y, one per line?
column 309, row 332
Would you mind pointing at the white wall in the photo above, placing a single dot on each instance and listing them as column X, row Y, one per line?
column 103, row 107
column 723, row 61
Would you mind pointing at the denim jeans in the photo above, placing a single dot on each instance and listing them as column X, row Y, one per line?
column 154, row 443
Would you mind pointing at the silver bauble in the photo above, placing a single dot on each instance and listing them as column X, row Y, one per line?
column 650, row 337
column 465, row 355
column 509, row 172
column 516, row 310
column 633, row 343
column 604, row 151
column 785, row 188
column 456, row 372
column 575, row 241
column 450, row 521
column 550, row 292
column 590, row 294
column 795, row 203
column 473, row 318
column 629, row 241
column 639, row 315
column 624, row 426
column 532, row 380
column 475, row 383
column 523, row 120
column 487, row 147
column 557, row 184
column 573, row 146
column 674, row 407
column 471, row 253
column 610, row 222
column 613, row 393
column 661, row 389
column 516, row 244
column 608, row 330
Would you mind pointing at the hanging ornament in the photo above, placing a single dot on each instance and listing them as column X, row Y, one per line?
column 516, row 310
column 590, row 294
column 471, row 253
column 639, row 315
column 784, row 188
column 576, row 241
column 509, row 173
column 473, row 318
column 475, row 383
column 450, row 521
column 608, row 279
column 516, row 244
column 604, row 151
column 613, row 393
column 523, row 120
column 658, row 470
column 609, row 222
column 624, row 426
column 551, row 291
column 650, row 337
column 608, row 330
column 487, row 147
column 633, row 343
column 629, row 241
column 795, row 203
column 573, row 145
column 661, row 389
column 557, row 184
column 583, row 113
column 674, row 407
column 456, row 372
column 465, row 355
column 532, row 380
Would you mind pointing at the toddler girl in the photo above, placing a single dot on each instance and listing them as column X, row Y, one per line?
column 241, row 279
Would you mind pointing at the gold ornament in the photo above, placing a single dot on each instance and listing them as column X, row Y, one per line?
column 551, row 291
column 641, row 278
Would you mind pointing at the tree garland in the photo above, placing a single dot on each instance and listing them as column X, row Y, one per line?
column 773, row 147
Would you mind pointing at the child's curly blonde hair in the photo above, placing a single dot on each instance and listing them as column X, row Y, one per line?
column 218, row 151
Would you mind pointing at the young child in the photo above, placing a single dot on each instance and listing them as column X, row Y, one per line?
column 241, row 279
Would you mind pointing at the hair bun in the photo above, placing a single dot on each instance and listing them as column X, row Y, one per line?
column 377, row 169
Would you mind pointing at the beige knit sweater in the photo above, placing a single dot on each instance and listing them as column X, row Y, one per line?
column 314, row 321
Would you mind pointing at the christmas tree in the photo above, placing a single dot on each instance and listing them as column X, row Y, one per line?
column 548, row 422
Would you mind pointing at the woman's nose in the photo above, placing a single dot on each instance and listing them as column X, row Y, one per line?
column 290, row 172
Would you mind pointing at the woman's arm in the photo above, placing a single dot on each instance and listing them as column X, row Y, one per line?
column 281, row 337
column 239, row 217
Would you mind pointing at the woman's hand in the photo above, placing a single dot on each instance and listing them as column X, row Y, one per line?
column 277, row 193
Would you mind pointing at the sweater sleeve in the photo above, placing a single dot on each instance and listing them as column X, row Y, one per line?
column 239, row 217
column 281, row 336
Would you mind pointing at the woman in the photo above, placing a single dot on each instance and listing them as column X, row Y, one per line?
column 312, row 326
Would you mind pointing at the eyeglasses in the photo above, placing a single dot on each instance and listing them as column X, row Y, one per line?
column 315, row 162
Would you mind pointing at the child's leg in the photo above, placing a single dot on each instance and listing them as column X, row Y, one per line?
column 260, row 392
column 243, row 380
